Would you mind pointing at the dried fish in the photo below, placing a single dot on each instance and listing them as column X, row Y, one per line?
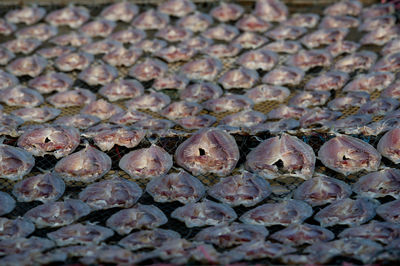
column 343, row 47
column 241, row 78
column 22, row 45
column 285, row 32
column 16, row 228
column 101, row 108
column 70, row 98
column 383, row 232
column 122, row 11
column 43, row 187
column 204, row 213
column 154, row 125
column 380, row 106
column 196, row 122
column 202, row 91
column 244, row 189
column 228, row 103
column 308, row 20
column 390, row 62
column 362, row 60
column 306, row 60
column 146, row 162
column 100, row 74
column 284, row 75
column 246, row 118
column 128, row 35
column 342, row 21
column 177, row 8
column 72, row 16
column 306, row 99
column 173, row 33
column 104, row 46
column 225, row 12
column 15, row 162
column 138, row 217
column 122, row 89
column 5, row 56
column 176, row 81
column 86, row 234
column 344, row 7
column 105, row 136
column 148, row 239
column 283, row 213
column 174, row 53
column 128, row 117
column 370, row 82
column 179, row 186
column 383, row 183
column 98, row 28
column 276, row 127
column 221, row 50
column 258, row 59
column 225, row 236
column 374, row 23
column 121, row 56
column 181, row 109
column 55, row 214
column 23, row 245
column 27, row 14
column 149, row 69
column 150, row 19
column 297, row 157
column 322, row 189
column 27, row 66
column 323, row 37
column 271, row 10
column 74, row 39
column 86, row 165
column 154, row 101
column 390, row 211
column 347, row 211
column 250, row 22
column 250, row 40
column 221, row 32
column 41, row 31
column 283, row 46
column 299, row 234
column 347, row 155
column 36, row 114
column 196, row 22
column 73, row 61
column 332, row 80
column 6, row 28
column 7, row 203
column 351, row 99
column 203, row 69
column 209, row 150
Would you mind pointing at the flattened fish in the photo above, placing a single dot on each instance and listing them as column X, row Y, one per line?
column 250, row 22
column 121, row 56
column 286, row 32
column 347, row 155
column 384, row 232
column 250, row 40
column 283, row 213
column 276, row 127
column 55, row 214
column 221, row 32
column 154, row 101
column 308, row 20
column 209, row 150
column 50, row 82
column 389, row 62
column 306, row 99
column 351, row 99
column 21, row 244
column 297, row 157
column 21, row 96
column 172, row 33
column 175, row 53
column 70, row 98
column 228, row 103
column 227, row 11
column 383, row 183
column 79, row 121
column 322, row 189
column 177, row 8
column 15, row 162
column 344, row 7
column 154, row 125
column 73, row 39
column 120, row 11
column 204, row 213
column 28, row 15
column 263, row 93
column 241, row 78
column 148, row 239
column 106, row 135
column 55, row 140
column 147, row 162
column 258, row 59
column 299, row 234
column 37, row 114
column 284, row 111
column 138, row 217
column 283, row 46
column 150, row 19
column 16, row 228
column 73, row 61
column 196, row 22
column 347, row 211
column 128, row 117
column 177, row 82
column 98, row 28
column 271, row 10
column 329, row 22
column 390, row 211
column 22, row 45
column 180, row 186
column 362, row 60
column 332, row 80
column 284, row 75
column 196, row 122
column 202, row 69
column 323, row 37
column 30, row 65
column 343, row 47
column 86, row 165
column 225, row 236
column 388, row 145
column 101, row 108
column 83, row 234
column 43, row 187
column 370, row 82
column 39, row 31
column 128, row 35
column 100, row 74
column 181, row 109
column 7, row 203
column 244, row 189
column 72, row 16
column 115, row 192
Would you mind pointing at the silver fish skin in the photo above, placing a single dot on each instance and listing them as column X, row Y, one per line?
column 179, row 186
column 86, row 234
column 15, row 162
column 55, row 214
column 284, row 213
column 86, row 165
column 321, row 190
column 209, row 150
column 245, row 189
column 44, row 187
column 297, row 157
column 347, row 211
column 138, row 217
column 115, row 192
column 347, row 155
column 204, row 213
column 146, row 162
